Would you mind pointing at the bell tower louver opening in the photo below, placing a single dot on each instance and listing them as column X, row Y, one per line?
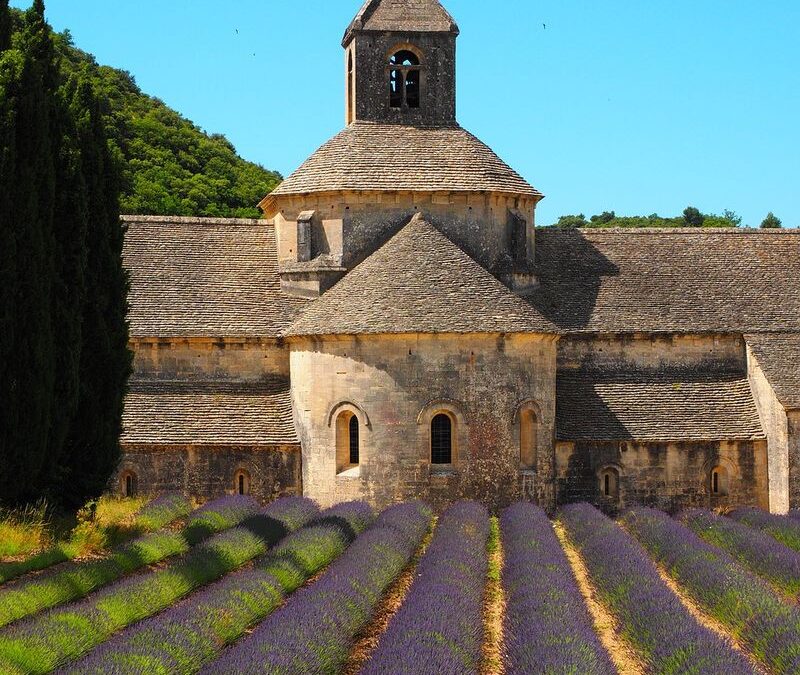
column 400, row 60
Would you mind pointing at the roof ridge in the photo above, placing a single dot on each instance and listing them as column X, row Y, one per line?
column 196, row 220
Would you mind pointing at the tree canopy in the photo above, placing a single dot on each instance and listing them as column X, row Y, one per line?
column 691, row 217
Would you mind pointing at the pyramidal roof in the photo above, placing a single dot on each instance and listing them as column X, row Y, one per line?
column 408, row 16
column 419, row 282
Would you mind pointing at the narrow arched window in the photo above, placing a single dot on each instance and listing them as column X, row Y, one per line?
column 404, row 80
column 528, row 439
column 719, row 481
column 354, row 440
column 129, row 484
column 348, row 441
column 609, row 483
column 350, row 88
column 441, row 439
column 242, row 482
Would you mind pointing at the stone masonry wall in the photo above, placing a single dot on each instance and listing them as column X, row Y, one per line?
column 395, row 384
column 208, row 473
column 349, row 227
column 668, row 476
column 775, row 424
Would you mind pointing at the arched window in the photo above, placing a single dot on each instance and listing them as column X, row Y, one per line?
column 609, row 483
column 350, row 88
column 719, row 481
column 130, row 484
column 348, row 441
column 241, row 481
column 404, row 80
column 528, row 439
column 441, row 439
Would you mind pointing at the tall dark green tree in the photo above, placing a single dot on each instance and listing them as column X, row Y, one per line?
column 771, row 222
column 29, row 78
column 5, row 26
column 64, row 359
column 92, row 451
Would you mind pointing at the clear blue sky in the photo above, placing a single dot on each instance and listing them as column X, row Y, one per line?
column 639, row 106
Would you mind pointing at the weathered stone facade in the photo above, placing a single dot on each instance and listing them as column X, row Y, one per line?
column 396, row 328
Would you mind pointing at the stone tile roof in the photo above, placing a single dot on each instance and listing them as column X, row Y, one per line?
column 778, row 354
column 682, row 280
column 200, row 277
column 680, row 406
column 411, row 16
column 419, row 282
column 208, row 413
column 386, row 157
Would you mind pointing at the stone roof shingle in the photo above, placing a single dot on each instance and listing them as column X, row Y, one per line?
column 778, row 354
column 390, row 157
column 208, row 413
column 681, row 280
column 412, row 16
column 593, row 405
column 419, row 282
column 201, row 277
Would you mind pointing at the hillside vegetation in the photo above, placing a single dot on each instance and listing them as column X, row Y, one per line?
column 170, row 166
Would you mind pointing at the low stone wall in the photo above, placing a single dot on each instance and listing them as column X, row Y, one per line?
column 206, row 473
column 669, row 476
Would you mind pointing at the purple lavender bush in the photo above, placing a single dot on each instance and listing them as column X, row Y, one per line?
column 161, row 511
column 183, row 638
column 314, row 631
column 753, row 549
column 547, row 627
column 50, row 640
column 650, row 615
column 742, row 602
column 785, row 530
column 439, row 628
column 219, row 515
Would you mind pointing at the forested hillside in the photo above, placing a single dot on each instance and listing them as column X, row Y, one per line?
column 170, row 166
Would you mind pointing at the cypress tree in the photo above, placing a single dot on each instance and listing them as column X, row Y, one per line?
column 5, row 26
column 92, row 451
column 28, row 360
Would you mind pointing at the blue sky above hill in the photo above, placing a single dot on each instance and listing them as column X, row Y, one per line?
column 634, row 106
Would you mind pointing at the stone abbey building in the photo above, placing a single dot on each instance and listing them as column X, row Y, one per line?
column 396, row 328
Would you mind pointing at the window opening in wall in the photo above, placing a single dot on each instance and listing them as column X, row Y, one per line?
column 719, row 481
column 129, row 484
column 404, row 80
column 350, row 102
column 354, row 440
column 242, row 483
column 528, row 439
column 609, row 483
column 441, row 439
column 348, row 441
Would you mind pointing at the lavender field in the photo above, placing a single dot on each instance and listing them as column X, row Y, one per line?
column 234, row 587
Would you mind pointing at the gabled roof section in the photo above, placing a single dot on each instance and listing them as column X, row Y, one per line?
column 778, row 354
column 419, row 282
column 389, row 157
column 598, row 405
column 205, row 277
column 407, row 16
column 669, row 280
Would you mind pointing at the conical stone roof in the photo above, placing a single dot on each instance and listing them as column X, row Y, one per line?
column 419, row 282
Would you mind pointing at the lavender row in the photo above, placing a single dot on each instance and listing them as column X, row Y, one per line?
column 650, row 615
column 753, row 549
column 314, row 632
column 183, row 638
column 547, row 627
column 785, row 530
column 79, row 579
column 440, row 624
column 161, row 511
column 52, row 639
column 742, row 602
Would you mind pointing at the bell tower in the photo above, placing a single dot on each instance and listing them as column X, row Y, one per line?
column 400, row 64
